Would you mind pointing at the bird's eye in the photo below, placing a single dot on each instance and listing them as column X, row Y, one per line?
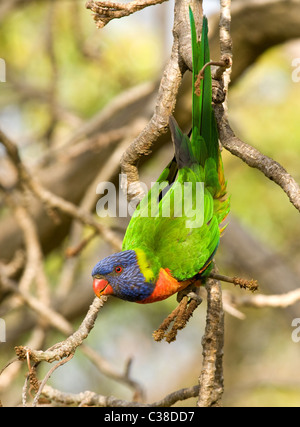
column 118, row 269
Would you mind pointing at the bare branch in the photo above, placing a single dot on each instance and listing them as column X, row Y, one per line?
column 211, row 377
column 86, row 398
column 176, row 396
column 53, row 201
column 226, row 42
column 69, row 346
column 253, row 158
column 89, row 398
column 251, row 285
column 11, row 370
column 48, row 375
column 105, row 11
column 261, row 301
column 166, row 98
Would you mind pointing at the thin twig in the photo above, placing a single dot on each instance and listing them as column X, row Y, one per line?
column 34, row 269
column 67, row 347
column 51, row 200
column 223, row 64
column 52, row 317
column 48, row 375
column 255, row 159
column 89, row 398
column 10, row 371
column 251, row 285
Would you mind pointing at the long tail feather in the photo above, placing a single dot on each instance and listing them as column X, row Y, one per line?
column 204, row 124
column 205, row 139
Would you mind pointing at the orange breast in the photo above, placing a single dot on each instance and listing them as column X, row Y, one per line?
column 165, row 287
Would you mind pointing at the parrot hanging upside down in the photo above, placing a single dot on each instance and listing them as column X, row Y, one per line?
column 162, row 255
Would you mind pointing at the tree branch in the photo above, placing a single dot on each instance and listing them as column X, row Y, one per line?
column 211, row 377
column 179, row 62
column 51, row 200
column 253, row 158
column 69, row 346
column 105, row 11
column 261, row 301
column 89, row 398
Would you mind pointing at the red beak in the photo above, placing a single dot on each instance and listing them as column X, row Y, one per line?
column 101, row 287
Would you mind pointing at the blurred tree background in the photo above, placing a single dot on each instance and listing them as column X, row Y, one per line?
column 62, row 72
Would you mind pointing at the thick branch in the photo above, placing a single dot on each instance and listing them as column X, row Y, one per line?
column 179, row 62
column 105, row 11
column 211, row 377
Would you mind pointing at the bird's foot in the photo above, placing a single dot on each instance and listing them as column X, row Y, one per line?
column 188, row 302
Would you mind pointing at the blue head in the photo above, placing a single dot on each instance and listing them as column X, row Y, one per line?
column 120, row 275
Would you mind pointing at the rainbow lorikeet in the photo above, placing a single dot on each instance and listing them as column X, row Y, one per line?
column 164, row 253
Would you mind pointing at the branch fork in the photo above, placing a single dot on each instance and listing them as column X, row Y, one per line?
column 223, row 64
